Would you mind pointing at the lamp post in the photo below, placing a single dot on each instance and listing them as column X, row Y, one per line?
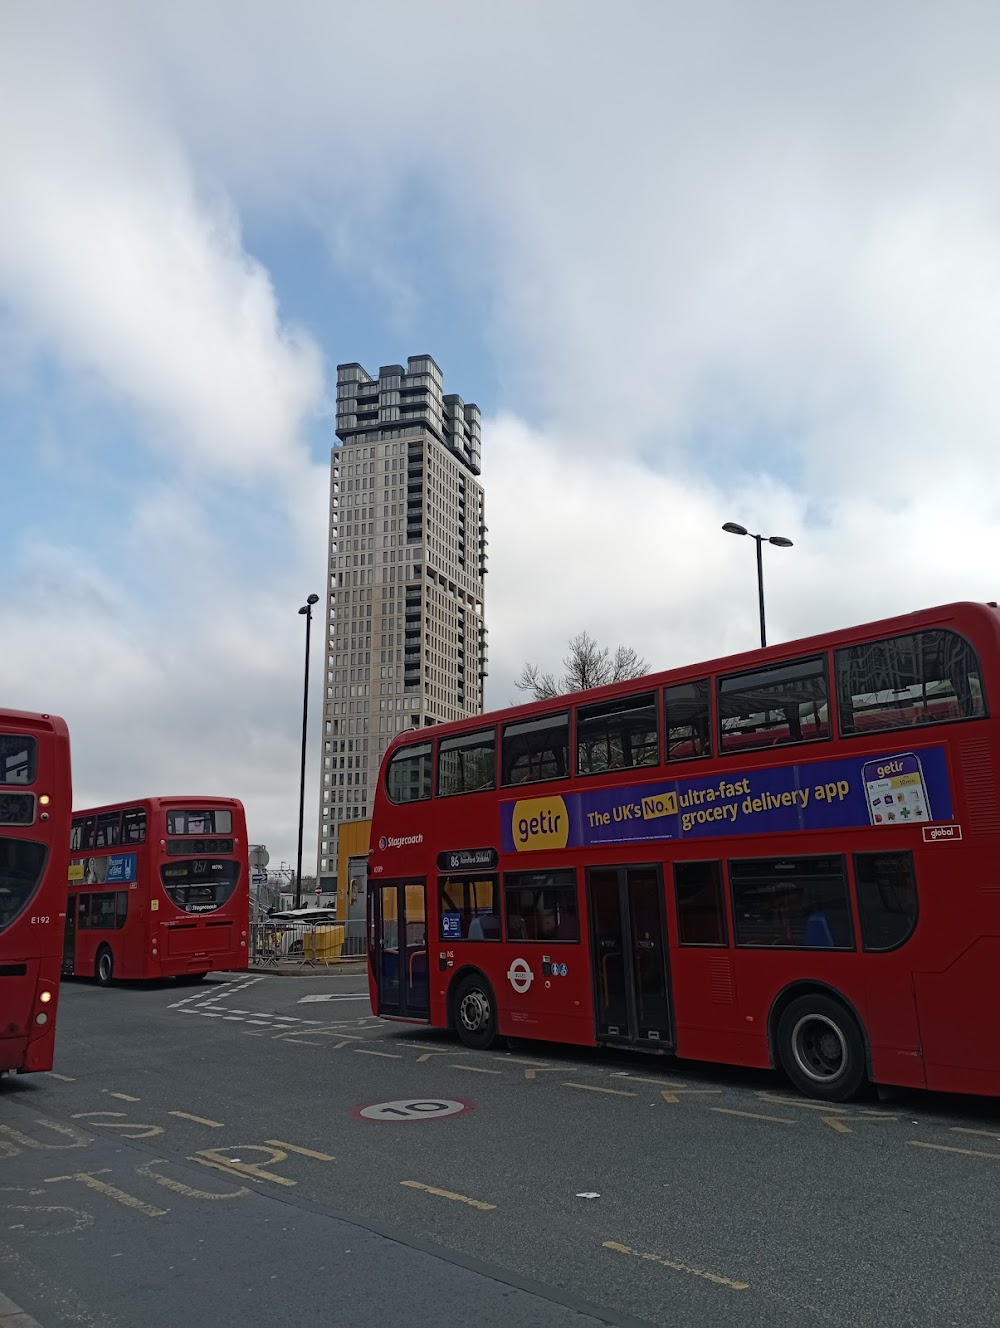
column 732, row 528
column 307, row 610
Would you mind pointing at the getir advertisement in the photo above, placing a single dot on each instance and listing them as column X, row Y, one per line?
column 895, row 789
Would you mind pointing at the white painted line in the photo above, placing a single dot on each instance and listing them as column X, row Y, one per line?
column 233, row 1018
column 333, row 996
column 261, row 1023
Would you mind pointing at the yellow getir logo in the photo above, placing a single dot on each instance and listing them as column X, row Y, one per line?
column 539, row 823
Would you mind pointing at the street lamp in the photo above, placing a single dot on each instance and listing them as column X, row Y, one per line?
column 733, row 528
column 307, row 610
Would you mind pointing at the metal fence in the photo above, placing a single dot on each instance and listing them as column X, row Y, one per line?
column 306, row 944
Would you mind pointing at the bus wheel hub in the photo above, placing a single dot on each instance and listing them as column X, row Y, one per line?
column 474, row 1011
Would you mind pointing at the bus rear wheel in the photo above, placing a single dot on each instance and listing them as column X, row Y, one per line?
column 475, row 1011
column 104, row 968
column 821, row 1049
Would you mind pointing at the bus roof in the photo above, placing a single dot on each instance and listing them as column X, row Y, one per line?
column 873, row 631
column 33, row 719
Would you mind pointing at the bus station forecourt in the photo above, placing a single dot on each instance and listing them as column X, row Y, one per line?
column 552, row 891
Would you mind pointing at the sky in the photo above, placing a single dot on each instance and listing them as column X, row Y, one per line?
column 696, row 263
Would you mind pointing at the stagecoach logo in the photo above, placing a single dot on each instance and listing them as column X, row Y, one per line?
column 520, row 976
column 399, row 841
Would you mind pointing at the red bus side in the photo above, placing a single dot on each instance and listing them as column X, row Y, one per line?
column 148, row 935
column 33, row 905
column 923, row 1007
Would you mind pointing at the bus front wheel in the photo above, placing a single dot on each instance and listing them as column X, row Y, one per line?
column 476, row 1012
column 104, row 968
column 821, row 1048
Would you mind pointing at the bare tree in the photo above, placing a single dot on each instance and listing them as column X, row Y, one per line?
column 586, row 665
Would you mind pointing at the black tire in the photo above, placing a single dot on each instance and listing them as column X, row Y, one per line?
column 821, row 1049
column 104, row 967
column 475, row 1012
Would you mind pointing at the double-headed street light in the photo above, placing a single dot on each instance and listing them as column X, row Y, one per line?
column 307, row 610
column 734, row 528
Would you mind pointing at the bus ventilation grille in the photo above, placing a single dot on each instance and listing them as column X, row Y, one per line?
column 979, row 778
column 721, row 980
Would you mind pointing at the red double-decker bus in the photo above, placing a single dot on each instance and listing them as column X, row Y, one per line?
column 36, row 800
column 158, row 888
column 786, row 858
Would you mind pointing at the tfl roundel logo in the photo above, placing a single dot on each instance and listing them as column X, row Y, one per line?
column 383, row 843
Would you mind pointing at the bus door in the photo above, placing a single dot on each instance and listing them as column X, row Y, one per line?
column 69, row 937
column 629, row 956
column 401, row 969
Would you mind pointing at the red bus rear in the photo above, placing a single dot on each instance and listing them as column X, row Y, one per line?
column 36, row 798
column 650, row 865
column 158, row 888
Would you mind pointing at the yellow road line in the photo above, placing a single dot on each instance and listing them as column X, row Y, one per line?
column 449, row 1194
column 944, row 1148
column 677, row 1266
column 306, row 1152
column 596, row 1088
column 779, row 1100
column 198, row 1120
column 179, row 1187
column 836, row 1123
column 387, row 1055
column 89, row 1178
column 673, row 1095
column 474, row 1069
column 752, row 1115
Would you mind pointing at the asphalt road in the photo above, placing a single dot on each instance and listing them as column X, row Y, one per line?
column 200, row 1156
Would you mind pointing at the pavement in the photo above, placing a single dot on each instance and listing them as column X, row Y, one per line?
column 201, row 1154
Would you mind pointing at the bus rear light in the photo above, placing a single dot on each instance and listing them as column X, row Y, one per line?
column 42, row 1018
column 45, row 997
column 45, row 799
column 243, row 945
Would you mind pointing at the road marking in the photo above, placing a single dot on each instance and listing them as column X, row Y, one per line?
column 677, row 1266
column 7, row 1132
column 944, row 1148
column 124, row 1097
column 752, row 1115
column 334, row 996
column 260, row 1023
column 216, row 1157
column 233, row 1018
column 673, row 1095
column 474, row 1069
column 539, row 1069
column 985, row 1134
column 302, row 1042
column 836, row 1123
column 118, row 1123
column 89, row 1178
column 208, row 1014
column 198, row 1120
column 781, row 1101
column 449, row 1194
column 596, row 1088
column 388, row 1055
column 179, row 1187
column 306, row 1152
column 64, row 1077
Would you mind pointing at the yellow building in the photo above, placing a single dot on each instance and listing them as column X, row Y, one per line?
column 352, row 869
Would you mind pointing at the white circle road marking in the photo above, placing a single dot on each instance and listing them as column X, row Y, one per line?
column 410, row 1109
column 520, row 976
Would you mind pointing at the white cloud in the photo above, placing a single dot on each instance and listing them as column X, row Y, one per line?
column 742, row 265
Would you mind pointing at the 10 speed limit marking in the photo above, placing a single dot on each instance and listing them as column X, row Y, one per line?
column 413, row 1109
